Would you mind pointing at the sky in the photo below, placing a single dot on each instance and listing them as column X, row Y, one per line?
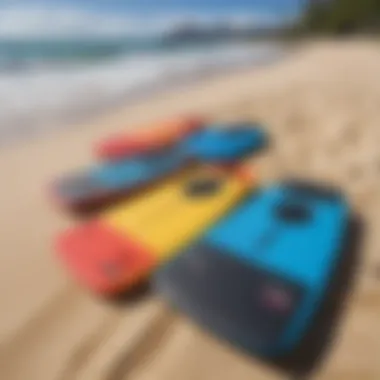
column 281, row 6
column 33, row 18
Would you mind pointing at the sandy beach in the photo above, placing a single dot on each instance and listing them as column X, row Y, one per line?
column 321, row 106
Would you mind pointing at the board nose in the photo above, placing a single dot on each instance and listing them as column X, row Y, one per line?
column 102, row 259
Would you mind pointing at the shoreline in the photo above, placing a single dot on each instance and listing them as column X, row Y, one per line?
column 160, row 87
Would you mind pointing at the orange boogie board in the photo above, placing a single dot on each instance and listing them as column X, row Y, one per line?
column 123, row 246
column 149, row 139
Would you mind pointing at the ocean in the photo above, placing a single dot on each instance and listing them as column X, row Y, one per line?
column 47, row 83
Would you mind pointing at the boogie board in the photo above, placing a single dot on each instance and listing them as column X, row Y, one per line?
column 123, row 246
column 226, row 142
column 258, row 277
column 94, row 187
column 159, row 136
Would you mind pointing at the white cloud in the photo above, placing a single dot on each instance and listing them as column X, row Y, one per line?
column 22, row 21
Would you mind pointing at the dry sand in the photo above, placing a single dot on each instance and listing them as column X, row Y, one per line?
column 322, row 108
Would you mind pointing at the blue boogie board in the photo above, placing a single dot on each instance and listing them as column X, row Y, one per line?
column 226, row 144
column 258, row 278
column 92, row 187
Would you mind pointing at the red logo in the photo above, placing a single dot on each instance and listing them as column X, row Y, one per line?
column 277, row 298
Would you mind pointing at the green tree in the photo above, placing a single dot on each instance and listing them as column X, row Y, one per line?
column 341, row 16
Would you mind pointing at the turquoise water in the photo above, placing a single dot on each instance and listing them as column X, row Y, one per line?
column 19, row 52
column 22, row 53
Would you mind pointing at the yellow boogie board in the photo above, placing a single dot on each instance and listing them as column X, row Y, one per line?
column 113, row 252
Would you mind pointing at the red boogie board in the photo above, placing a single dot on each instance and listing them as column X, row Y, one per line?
column 147, row 139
